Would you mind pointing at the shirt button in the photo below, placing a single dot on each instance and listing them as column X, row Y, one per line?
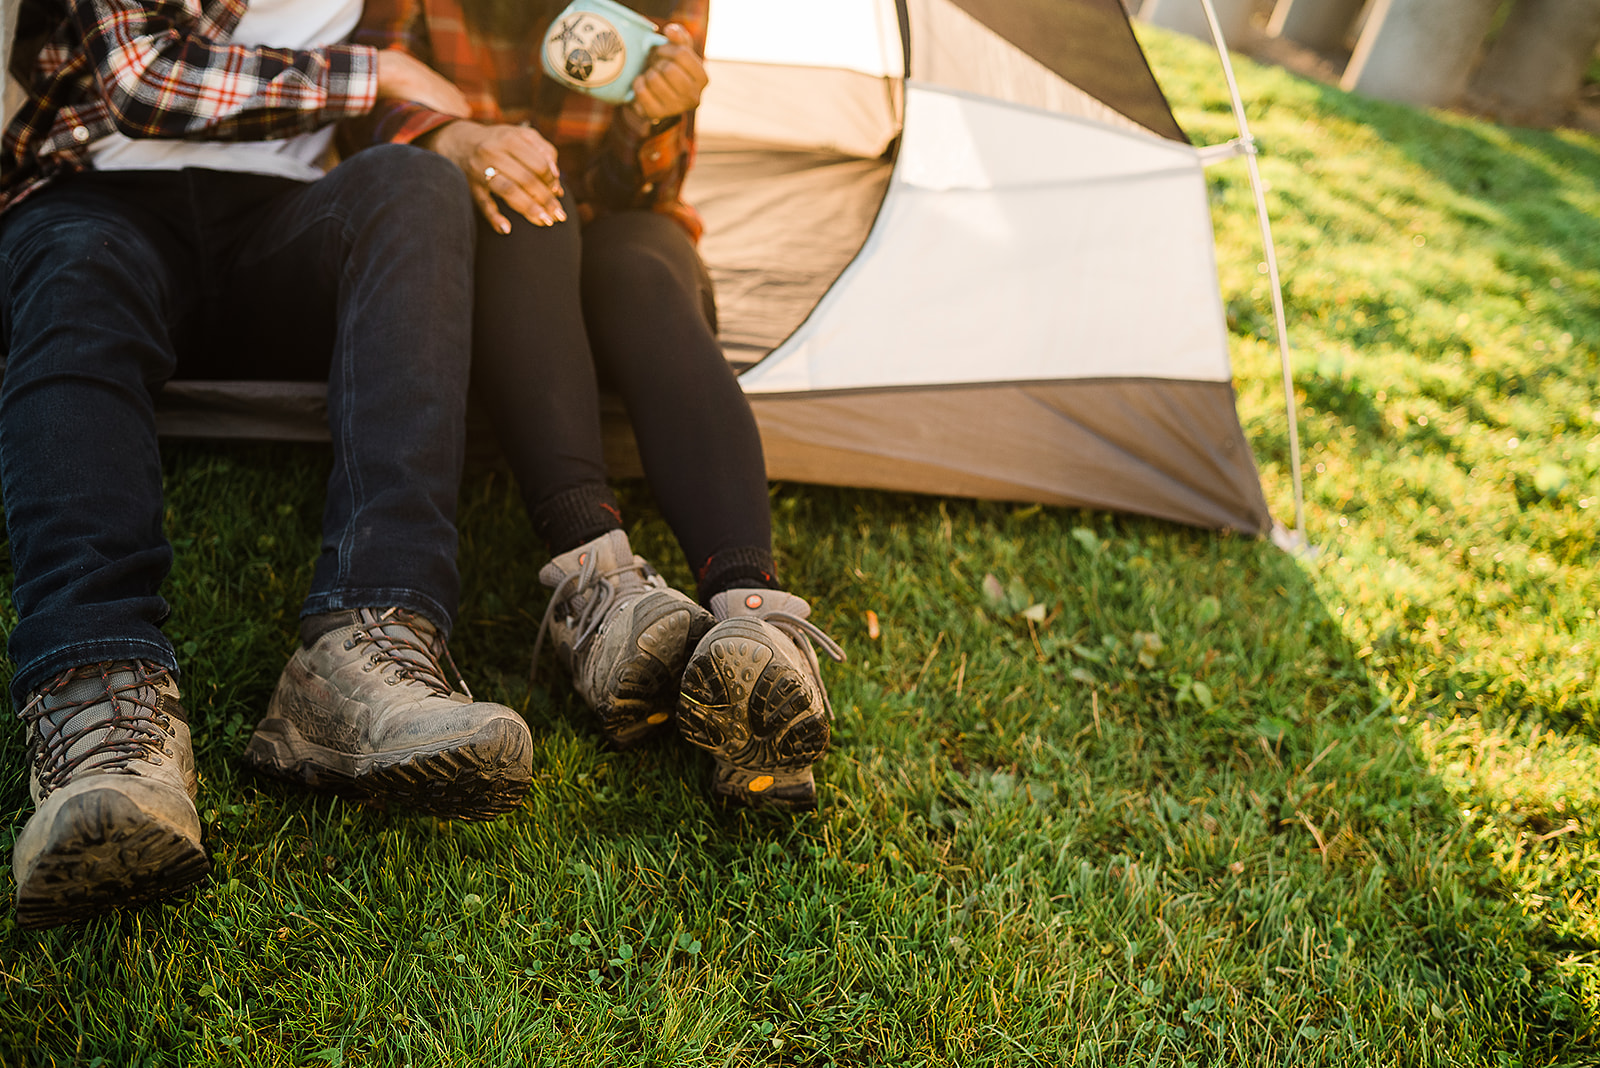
column 80, row 134
column 648, row 187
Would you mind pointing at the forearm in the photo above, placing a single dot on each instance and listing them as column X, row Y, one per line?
column 162, row 77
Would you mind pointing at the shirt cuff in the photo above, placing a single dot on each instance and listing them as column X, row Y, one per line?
column 352, row 80
column 658, row 153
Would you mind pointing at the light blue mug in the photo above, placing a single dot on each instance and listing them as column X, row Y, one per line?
column 599, row 47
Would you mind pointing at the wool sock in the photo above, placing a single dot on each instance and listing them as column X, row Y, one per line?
column 567, row 519
column 737, row 568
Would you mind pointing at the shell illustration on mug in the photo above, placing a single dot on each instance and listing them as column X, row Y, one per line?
column 586, row 48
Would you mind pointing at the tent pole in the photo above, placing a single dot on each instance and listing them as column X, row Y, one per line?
column 1296, row 539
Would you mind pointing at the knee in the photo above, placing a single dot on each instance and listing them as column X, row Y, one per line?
column 49, row 261
column 47, row 249
column 535, row 251
column 640, row 250
column 420, row 187
column 647, row 262
column 636, row 269
column 417, row 172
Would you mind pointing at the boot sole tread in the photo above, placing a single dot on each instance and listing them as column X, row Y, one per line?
column 638, row 700
column 477, row 778
column 726, row 724
column 97, row 874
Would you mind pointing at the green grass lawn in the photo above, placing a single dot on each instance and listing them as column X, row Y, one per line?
column 1221, row 805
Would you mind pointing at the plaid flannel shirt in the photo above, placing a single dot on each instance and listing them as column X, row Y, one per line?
column 603, row 164
column 161, row 68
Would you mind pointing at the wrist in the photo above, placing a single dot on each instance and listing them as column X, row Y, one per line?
column 389, row 65
column 642, row 126
column 447, row 138
column 634, row 121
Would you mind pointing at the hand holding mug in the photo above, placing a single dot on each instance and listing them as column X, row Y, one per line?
column 672, row 83
column 603, row 48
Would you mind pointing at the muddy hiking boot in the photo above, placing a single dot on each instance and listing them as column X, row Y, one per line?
column 622, row 633
column 112, row 775
column 753, row 698
column 365, row 710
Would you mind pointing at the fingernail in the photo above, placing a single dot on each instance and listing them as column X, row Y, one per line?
column 503, row 226
column 561, row 216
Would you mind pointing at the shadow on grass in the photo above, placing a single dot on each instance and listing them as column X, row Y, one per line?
column 1101, row 787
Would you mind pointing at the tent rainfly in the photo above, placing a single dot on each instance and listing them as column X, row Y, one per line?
column 960, row 247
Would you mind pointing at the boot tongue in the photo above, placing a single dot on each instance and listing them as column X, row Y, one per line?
column 398, row 623
column 606, row 553
column 80, row 709
column 758, row 603
column 409, row 640
column 608, row 556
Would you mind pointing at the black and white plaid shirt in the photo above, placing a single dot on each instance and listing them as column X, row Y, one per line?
column 161, row 68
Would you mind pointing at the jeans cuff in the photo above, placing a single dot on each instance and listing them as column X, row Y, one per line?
column 342, row 600
column 37, row 672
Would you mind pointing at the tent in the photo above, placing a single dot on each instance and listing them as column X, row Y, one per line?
column 1033, row 313
column 960, row 246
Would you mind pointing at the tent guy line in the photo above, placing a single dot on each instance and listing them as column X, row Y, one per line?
column 1294, row 540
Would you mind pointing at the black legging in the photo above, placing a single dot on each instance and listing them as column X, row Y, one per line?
column 626, row 295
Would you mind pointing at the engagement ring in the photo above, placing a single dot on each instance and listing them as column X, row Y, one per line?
column 488, row 175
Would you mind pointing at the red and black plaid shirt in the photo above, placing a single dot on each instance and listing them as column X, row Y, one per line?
column 603, row 164
column 161, row 68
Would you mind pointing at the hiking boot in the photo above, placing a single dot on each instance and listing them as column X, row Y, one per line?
column 622, row 633
column 364, row 710
column 753, row 698
column 112, row 776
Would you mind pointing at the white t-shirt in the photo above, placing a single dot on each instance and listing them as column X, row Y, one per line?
column 276, row 23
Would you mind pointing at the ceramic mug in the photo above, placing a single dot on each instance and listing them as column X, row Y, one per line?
column 599, row 47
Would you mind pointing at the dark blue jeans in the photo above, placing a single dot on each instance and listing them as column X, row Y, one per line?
column 110, row 284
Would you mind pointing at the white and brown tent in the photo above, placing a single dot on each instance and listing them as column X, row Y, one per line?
column 960, row 246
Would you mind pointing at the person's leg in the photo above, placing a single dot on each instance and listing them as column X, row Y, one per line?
column 92, row 288
column 370, row 705
column 89, row 298
column 751, row 693
column 651, row 318
column 380, row 250
column 534, row 375
column 618, row 629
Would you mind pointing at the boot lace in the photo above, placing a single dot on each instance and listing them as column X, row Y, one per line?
column 599, row 592
column 406, row 645
column 803, row 630
column 806, row 636
column 118, row 700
